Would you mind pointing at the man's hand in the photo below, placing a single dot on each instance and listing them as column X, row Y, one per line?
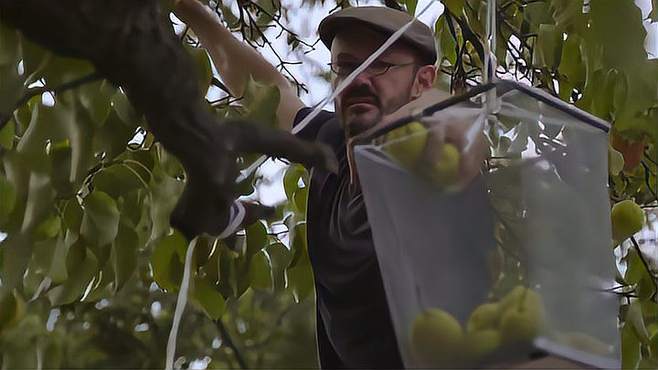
column 461, row 128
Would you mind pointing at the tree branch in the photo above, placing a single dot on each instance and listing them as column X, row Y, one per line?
column 226, row 336
column 133, row 45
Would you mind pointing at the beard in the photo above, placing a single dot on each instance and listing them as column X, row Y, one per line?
column 360, row 109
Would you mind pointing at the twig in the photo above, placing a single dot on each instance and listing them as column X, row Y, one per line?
column 654, row 277
column 4, row 117
column 647, row 179
column 229, row 342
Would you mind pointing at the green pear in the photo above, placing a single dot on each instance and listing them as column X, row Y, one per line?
column 436, row 339
column 485, row 316
column 406, row 144
column 445, row 170
column 481, row 343
column 522, row 315
column 627, row 219
column 520, row 326
column 520, row 296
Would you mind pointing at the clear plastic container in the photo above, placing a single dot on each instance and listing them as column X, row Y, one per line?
column 516, row 262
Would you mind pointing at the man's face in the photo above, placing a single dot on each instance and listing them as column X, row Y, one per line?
column 368, row 97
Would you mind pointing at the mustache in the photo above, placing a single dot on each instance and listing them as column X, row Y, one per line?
column 361, row 91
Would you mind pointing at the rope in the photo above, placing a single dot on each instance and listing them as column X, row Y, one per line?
column 180, row 305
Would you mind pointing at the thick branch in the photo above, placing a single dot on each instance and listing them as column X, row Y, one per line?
column 132, row 44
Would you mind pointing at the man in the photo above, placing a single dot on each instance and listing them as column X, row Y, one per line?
column 354, row 326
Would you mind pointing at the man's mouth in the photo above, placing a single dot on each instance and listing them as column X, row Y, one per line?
column 360, row 100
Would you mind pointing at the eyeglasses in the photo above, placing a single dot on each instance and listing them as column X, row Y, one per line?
column 344, row 69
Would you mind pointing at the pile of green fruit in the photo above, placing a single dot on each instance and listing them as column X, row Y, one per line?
column 438, row 340
column 408, row 146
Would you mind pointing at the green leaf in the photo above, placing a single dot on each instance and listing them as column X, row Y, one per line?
column 81, row 267
column 445, row 40
column 455, row 6
column 256, row 238
column 7, row 135
column 630, row 348
column 615, row 161
column 537, row 13
column 100, row 222
column 124, row 255
column 170, row 164
column 124, row 109
column 571, row 62
column 73, row 216
column 548, row 47
column 280, row 260
column 57, row 271
column 35, row 59
column 8, row 308
column 622, row 50
column 16, row 252
column 113, row 137
column 300, row 199
column 39, row 200
column 61, row 157
column 49, row 228
column 204, row 69
column 646, row 287
column 650, row 311
column 7, row 199
column 11, row 87
column 298, row 243
column 96, row 97
column 261, row 272
column 117, row 180
column 165, row 193
column 166, row 263
column 411, row 6
column 635, row 318
column 261, row 102
column 228, row 284
column 653, row 346
column 60, row 70
column 291, row 179
column 635, row 268
column 209, row 298
column 60, row 123
column 300, row 278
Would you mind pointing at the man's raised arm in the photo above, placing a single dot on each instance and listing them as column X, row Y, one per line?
column 236, row 61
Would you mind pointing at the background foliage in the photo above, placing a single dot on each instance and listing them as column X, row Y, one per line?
column 90, row 267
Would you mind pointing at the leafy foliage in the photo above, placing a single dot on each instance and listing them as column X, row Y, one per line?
column 89, row 265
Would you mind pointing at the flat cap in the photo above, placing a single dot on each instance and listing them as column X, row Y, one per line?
column 384, row 20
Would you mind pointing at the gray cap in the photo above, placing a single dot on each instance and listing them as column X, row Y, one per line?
column 382, row 19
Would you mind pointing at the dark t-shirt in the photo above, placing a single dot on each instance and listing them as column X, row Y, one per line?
column 354, row 327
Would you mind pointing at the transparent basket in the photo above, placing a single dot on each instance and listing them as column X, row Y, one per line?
column 517, row 262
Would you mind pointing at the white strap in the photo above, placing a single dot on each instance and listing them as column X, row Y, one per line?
column 180, row 306
column 235, row 219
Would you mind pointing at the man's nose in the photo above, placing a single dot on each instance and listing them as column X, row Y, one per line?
column 363, row 77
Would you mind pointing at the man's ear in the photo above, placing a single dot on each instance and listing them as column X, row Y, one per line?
column 424, row 80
